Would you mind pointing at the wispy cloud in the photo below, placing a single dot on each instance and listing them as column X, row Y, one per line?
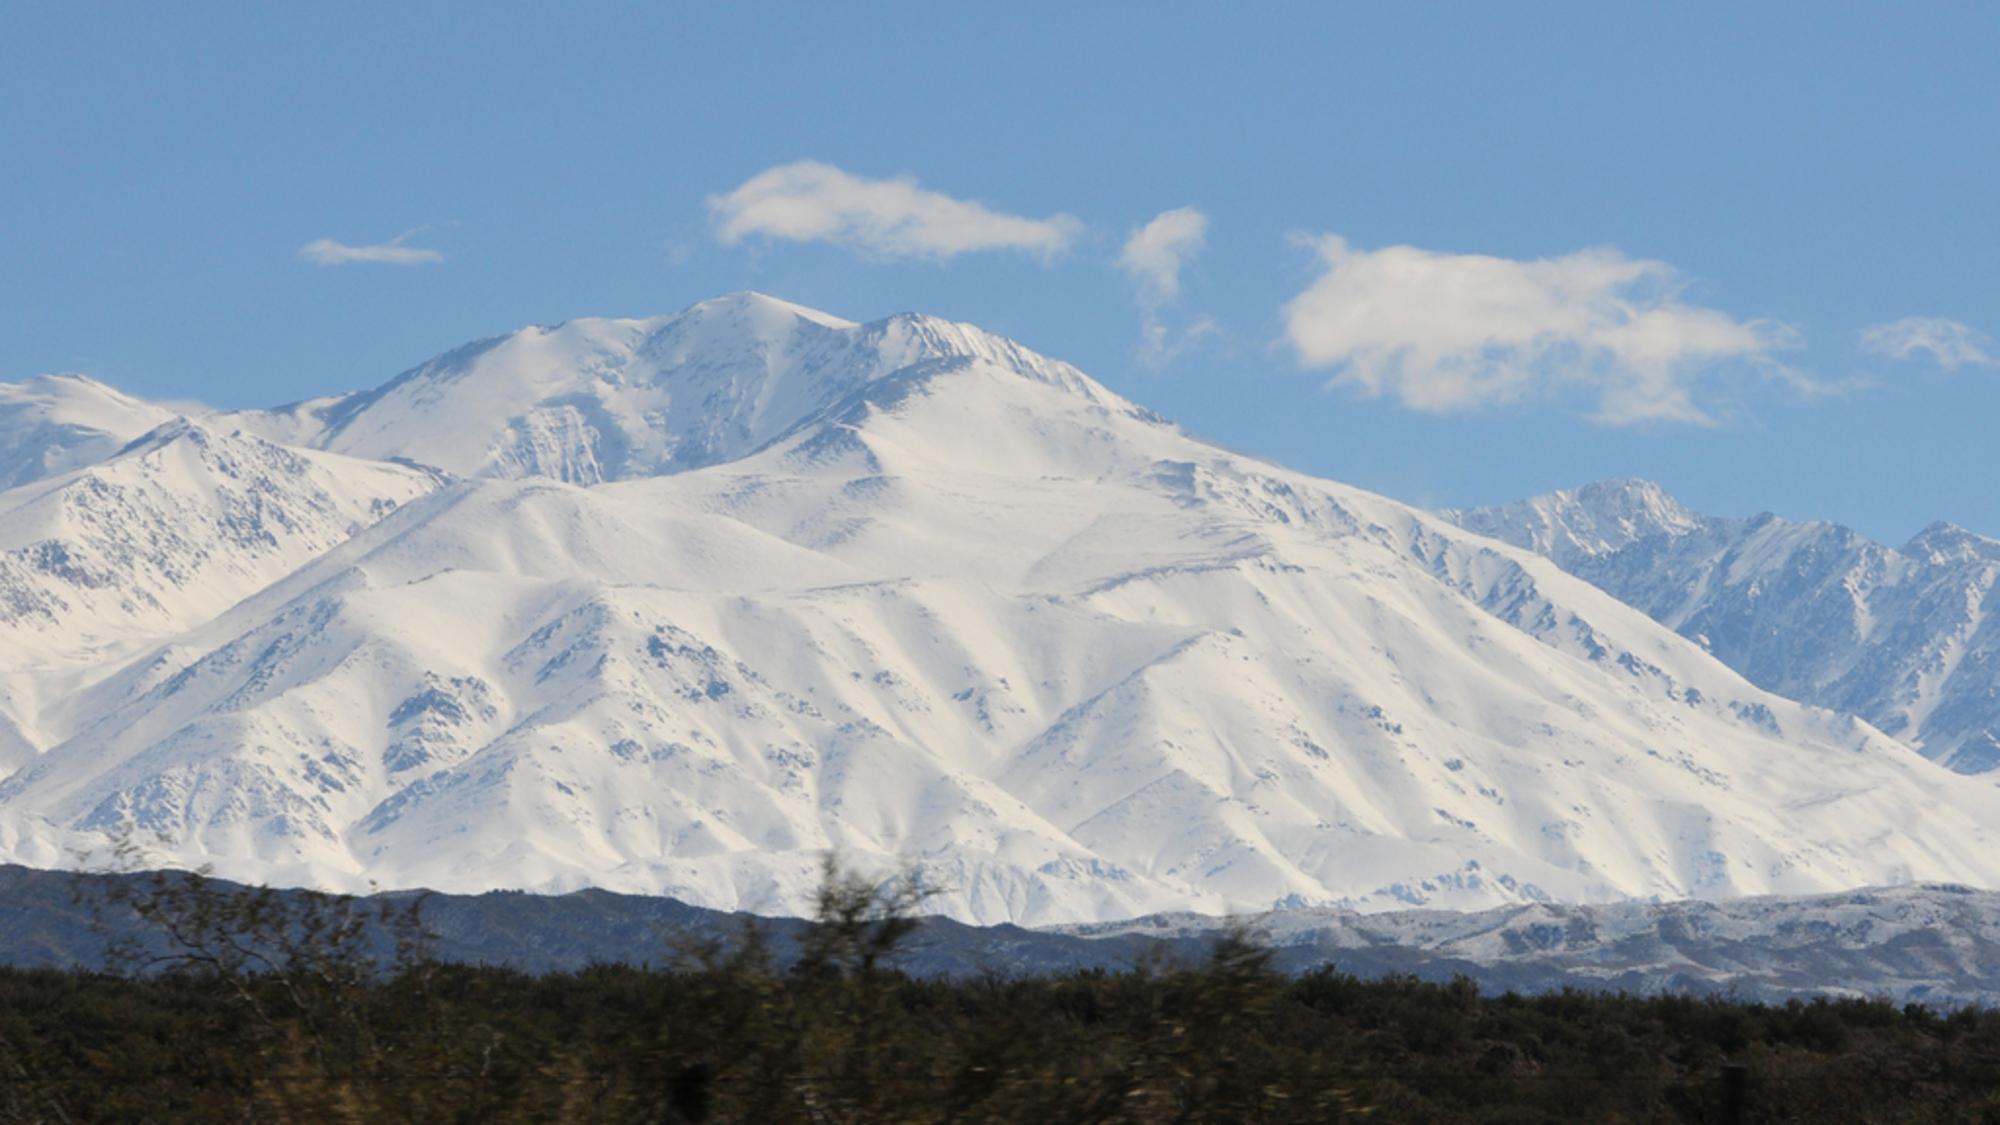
column 1453, row 332
column 1155, row 253
column 1153, row 258
column 808, row 201
column 1951, row 345
column 330, row 252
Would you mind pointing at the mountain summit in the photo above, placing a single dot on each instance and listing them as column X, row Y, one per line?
column 686, row 602
column 593, row 400
column 1584, row 523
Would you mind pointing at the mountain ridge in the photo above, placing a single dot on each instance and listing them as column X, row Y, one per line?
column 1816, row 611
column 592, row 399
column 927, row 597
column 1925, row 944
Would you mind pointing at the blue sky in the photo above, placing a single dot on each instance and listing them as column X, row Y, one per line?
column 1455, row 253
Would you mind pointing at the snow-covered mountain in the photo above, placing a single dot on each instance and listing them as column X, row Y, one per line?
column 594, row 400
column 1908, row 638
column 161, row 534
column 722, row 590
column 170, row 530
column 54, row 423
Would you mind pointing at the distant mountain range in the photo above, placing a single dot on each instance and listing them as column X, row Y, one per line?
column 1907, row 638
column 673, row 606
column 1927, row 944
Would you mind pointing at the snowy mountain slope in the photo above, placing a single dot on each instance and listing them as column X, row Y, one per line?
column 52, row 424
column 954, row 604
column 103, row 561
column 1907, row 638
column 170, row 530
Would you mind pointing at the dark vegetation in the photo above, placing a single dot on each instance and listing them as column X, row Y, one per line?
column 240, row 1004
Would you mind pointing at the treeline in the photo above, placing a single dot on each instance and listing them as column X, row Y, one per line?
column 266, row 1008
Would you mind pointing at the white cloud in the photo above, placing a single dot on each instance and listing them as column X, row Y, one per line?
column 1446, row 332
column 1160, row 344
column 328, row 252
column 1155, row 253
column 1153, row 258
column 813, row 202
column 1952, row 345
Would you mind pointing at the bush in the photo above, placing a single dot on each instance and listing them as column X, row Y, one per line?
column 239, row 1007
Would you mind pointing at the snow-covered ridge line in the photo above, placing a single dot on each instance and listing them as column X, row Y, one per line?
column 1904, row 637
column 160, row 535
column 591, row 400
column 708, row 595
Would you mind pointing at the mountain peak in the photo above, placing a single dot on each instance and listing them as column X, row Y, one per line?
column 179, row 427
column 1628, row 491
column 749, row 305
column 948, row 603
column 57, row 383
column 1944, row 542
column 72, row 387
column 1594, row 519
column 169, row 529
column 593, row 399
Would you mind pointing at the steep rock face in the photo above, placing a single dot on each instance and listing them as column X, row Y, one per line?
column 912, row 592
column 1907, row 638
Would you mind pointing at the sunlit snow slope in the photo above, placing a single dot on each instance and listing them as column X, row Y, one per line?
column 727, row 589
